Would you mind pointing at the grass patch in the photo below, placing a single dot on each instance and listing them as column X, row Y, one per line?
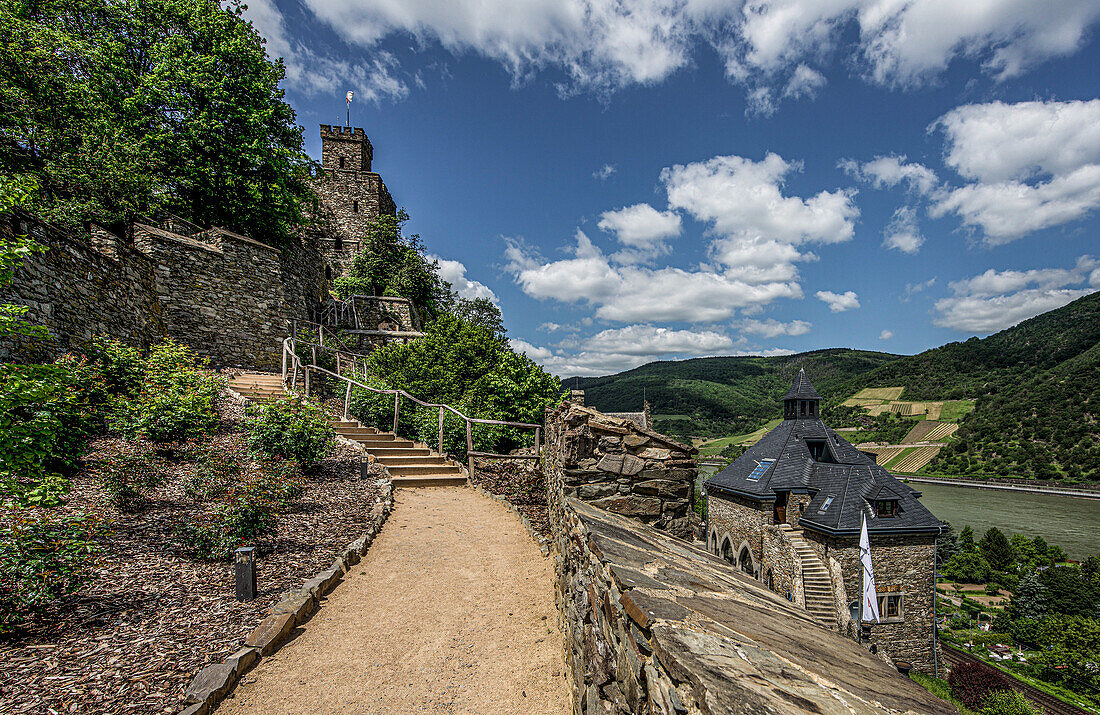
column 879, row 393
column 940, row 688
column 715, row 446
column 955, row 410
column 900, row 456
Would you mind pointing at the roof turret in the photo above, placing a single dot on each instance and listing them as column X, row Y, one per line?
column 802, row 389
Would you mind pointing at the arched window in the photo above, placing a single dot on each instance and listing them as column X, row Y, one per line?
column 771, row 580
column 727, row 550
column 744, row 560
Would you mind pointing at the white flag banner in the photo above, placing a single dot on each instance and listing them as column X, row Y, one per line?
column 349, row 96
column 870, row 595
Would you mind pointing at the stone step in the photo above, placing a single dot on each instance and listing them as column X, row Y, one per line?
column 424, row 470
column 429, row 480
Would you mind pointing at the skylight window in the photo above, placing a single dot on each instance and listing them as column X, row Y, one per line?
column 759, row 470
column 825, row 506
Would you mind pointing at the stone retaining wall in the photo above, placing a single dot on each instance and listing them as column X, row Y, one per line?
column 619, row 466
column 223, row 294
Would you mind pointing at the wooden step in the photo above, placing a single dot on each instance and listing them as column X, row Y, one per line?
column 422, row 460
column 424, row 470
column 385, row 453
column 428, row 480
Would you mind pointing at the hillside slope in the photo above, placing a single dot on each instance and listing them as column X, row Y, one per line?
column 1037, row 387
column 720, row 395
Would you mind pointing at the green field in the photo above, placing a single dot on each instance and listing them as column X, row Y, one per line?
column 715, row 446
column 955, row 410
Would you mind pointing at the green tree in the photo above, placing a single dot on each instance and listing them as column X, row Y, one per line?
column 947, row 545
column 391, row 263
column 966, row 539
column 1070, row 593
column 968, row 567
column 1031, row 599
column 482, row 312
column 1071, row 651
column 996, row 549
column 126, row 108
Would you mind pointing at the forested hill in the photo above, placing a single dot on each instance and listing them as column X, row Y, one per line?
column 722, row 395
column 1038, row 391
column 984, row 366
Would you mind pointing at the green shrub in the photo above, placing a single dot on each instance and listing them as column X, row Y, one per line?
column 176, row 401
column 291, row 429
column 214, row 476
column 120, row 366
column 43, row 558
column 126, row 479
column 1007, row 702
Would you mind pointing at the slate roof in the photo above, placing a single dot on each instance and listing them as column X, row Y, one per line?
column 802, row 389
column 847, row 475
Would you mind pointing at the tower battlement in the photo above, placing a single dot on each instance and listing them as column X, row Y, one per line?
column 345, row 148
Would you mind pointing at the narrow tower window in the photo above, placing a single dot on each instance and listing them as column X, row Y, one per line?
column 341, row 162
column 355, row 207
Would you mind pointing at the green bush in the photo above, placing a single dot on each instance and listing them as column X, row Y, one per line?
column 120, row 365
column 291, row 429
column 214, row 476
column 1007, row 702
column 126, row 478
column 176, row 400
column 247, row 513
column 43, row 558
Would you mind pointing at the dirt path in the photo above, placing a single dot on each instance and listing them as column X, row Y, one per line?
column 451, row 611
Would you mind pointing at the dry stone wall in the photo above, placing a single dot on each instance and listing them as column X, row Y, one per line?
column 226, row 295
column 654, row 625
column 618, row 466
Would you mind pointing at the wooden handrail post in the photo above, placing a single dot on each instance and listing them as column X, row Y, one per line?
column 396, row 410
column 338, row 364
column 306, row 368
column 284, row 363
column 441, row 430
column 347, row 402
column 469, row 448
column 314, row 352
column 320, row 338
column 538, row 433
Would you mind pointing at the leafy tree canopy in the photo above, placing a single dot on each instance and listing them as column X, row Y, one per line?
column 121, row 108
column 392, row 263
column 996, row 549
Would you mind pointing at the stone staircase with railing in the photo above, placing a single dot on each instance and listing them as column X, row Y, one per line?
column 816, row 583
column 409, row 464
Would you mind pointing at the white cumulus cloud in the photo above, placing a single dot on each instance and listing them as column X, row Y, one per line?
column 903, row 233
column 838, row 302
column 642, row 229
column 772, row 328
column 886, row 335
column 454, row 272
column 1033, row 165
column 889, row 171
column 995, row 300
column 604, row 172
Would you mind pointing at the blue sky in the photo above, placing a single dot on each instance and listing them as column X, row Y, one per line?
column 647, row 179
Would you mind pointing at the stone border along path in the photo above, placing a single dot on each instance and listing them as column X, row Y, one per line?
column 216, row 681
column 451, row 610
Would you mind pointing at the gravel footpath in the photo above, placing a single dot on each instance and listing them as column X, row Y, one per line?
column 450, row 611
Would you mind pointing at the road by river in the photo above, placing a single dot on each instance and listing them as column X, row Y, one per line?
column 1070, row 522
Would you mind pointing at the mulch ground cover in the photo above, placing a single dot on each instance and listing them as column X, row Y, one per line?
column 133, row 639
column 521, row 482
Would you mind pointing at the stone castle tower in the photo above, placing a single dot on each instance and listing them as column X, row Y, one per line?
column 350, row 195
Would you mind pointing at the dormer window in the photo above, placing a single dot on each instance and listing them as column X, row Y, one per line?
column 819, row 451
column 886, row 508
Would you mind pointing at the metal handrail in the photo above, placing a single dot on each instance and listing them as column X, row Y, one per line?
column 289, row 345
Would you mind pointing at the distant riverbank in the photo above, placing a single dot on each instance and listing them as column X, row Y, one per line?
column 1080, row 493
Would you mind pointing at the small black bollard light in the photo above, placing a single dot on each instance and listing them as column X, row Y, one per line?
column 244, row 563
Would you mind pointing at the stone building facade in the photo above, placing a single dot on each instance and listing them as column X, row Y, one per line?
column 788, row 513
column 616, row 465
column 350, row 195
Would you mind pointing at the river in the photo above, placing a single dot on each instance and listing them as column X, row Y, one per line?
column 1069, row 522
